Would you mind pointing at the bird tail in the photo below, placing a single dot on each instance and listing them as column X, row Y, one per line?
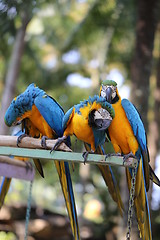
column 141, row 203
column 111, row 183
column 38, row 166
column 153, row 176
column 66, row 184
column 4, row 189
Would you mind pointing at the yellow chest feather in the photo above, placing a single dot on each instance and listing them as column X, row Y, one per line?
column 38, row 121
column 78, row 126
column 120, row 131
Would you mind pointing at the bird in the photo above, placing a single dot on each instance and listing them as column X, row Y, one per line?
column 88, row 121
column 45, row 115
column 128, row 137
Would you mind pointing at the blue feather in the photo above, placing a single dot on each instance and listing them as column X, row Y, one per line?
column 136, row 122
column 71, row 194
column 51, row 112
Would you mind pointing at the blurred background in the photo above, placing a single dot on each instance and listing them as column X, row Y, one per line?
column 66, row 48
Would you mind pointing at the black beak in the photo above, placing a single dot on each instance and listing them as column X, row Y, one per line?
column 103, row 124
column 109, row 94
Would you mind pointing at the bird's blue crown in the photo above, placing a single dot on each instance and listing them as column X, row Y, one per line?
column 22, row 103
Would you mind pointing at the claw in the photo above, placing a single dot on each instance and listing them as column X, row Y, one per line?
column 43, row 141
column 127, row 156
column 19, row 139
column 85, row 155
column 58, row 143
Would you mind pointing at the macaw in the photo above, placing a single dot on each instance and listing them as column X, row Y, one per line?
column 46, row 116
column 127, row 134
column 88, row 121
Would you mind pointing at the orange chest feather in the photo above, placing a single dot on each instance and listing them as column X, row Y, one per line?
column 121, row 133
column 79, row 126
column 38, row 121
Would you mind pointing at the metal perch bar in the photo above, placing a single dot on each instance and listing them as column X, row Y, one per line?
column 8, row 147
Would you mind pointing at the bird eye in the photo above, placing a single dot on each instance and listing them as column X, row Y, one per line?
column 103, row 94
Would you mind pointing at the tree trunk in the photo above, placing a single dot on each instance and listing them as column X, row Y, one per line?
column 141, row 65
column 142, row 61
column 154, row 125
column 13, row 72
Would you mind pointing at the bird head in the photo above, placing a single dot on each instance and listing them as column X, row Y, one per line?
column 101, row 114
column 108, row 90
column 20, row 105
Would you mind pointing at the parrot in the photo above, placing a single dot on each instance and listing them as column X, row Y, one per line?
column 128, row 137
column 88, row 121
column 45, row 114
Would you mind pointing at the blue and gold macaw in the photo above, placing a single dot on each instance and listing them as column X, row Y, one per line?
column 46, row 116
column 88, row 121
column 127, row 134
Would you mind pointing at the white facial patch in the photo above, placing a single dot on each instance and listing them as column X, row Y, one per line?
column 102, row 114
column 104, row 88
column 103, row 91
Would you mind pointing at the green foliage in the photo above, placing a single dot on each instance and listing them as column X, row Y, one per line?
column 7, row 236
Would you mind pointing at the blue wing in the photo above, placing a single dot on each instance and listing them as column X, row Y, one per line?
column 51, row 111
column 140, row 134
column 67, row 117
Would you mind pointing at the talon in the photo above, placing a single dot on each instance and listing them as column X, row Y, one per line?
column 58, row 143
column 85, row 155
column 43, row 141
column 127, row 156
column 19, row 139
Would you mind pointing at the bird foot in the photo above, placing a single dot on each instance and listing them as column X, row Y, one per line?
column 58, row 143
column 127, row 156
column 85, row 155
column 19, row 139
column 43, row 141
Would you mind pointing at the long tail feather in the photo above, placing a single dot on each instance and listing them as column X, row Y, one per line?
column 39, row 166
column 153, row 176
column 4, row 189
column 66, row 184
column 111, row 183
column 141, row 203
column 110, row 180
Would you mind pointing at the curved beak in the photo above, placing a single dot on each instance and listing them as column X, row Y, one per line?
column 109, row 94
column 103, row 124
